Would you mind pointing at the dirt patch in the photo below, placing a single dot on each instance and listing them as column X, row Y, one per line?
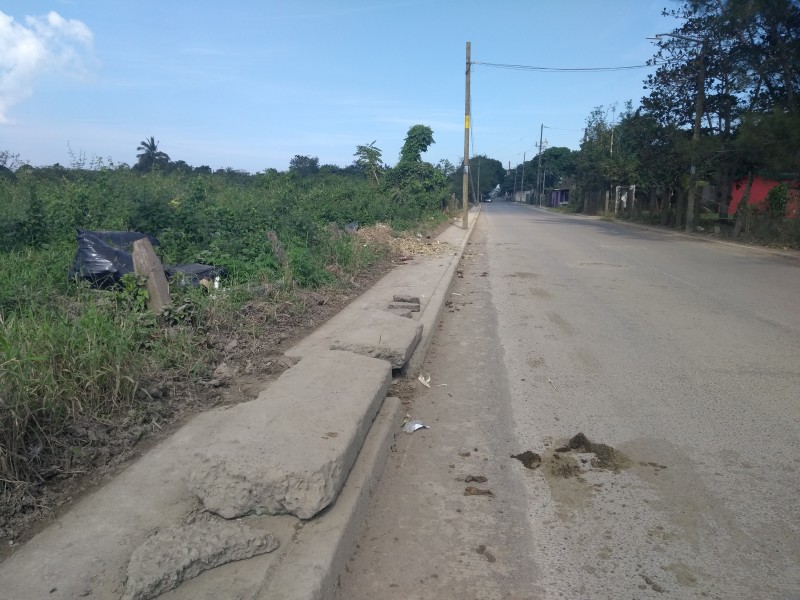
column 563, row 466
column 475, row 478
column 481, row 549
column 405, row 245
column 475, row 491
column 529, row 459
column 605, row 457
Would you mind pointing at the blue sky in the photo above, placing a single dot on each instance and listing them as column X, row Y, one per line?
column 250, row 84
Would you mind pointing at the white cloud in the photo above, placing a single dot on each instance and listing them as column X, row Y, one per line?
column 44, row 44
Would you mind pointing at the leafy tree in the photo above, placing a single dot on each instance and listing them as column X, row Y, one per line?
column 150, row 157
column 304, row 166
column 368, row 159
column 180, row 166
column 485, row 174
column 416, row 186
column 418, row 139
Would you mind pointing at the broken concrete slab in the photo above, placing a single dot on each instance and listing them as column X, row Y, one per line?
column 374, row 333
column 399, row 312
column 290, row 450
column 382, row 335
column 181, row 552
column 404, row 306
column 406, row 298
column 322, row 547
column 87, row 551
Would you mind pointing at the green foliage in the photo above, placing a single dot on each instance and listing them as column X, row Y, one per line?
column 418, row 139
column 368, row 160
column 150, row 158
column 304, row 166
column 485, row 174
column 777, row 199
column 69, row 353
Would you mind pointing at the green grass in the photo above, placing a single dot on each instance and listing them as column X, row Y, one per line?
column 70, row 354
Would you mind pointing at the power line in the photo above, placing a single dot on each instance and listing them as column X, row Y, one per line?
column 561, row 70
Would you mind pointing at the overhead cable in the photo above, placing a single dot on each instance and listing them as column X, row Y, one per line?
column 561, row 70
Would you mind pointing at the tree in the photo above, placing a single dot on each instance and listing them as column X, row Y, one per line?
column 304, row 166
column 415, row 185
column 368, row 159
column 418, row 139
column 489, row 170
column 150, row 157
column 751, row 66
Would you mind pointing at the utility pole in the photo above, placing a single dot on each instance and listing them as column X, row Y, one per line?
column 539, row 167
column 698, row 115
column 464, row 182
column 514, row 197
column 522, row 179
column 480, row 197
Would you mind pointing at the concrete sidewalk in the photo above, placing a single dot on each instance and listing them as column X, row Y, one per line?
column 263, row 499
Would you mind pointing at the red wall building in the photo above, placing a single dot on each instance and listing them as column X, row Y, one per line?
column 758, row 194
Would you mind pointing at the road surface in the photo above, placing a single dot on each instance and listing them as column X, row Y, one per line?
column 681, row 355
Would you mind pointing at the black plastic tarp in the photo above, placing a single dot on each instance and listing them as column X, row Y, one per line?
column 103, row 257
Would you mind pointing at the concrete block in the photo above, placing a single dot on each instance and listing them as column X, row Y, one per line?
column 146, row 263
column 405, row 306
column 399, row 312
column 406, row 298
column 381, row 335
column 178, row 553
column 368, row 331
column 290, row 450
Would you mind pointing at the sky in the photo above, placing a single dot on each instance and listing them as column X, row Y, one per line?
column 250, row 84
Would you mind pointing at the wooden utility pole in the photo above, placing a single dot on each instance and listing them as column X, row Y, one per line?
column 522, row 179
column 539, row 166
column 464, row 182
column 698, row 115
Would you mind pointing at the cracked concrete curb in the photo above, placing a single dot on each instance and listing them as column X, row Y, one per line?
column 324, row 545
column 290, row 450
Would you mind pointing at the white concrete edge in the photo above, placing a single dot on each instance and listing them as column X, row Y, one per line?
column 433, row 309
column 318, row 554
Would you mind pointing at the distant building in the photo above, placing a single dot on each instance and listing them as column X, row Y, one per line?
column 559, row 197
column 759, row 190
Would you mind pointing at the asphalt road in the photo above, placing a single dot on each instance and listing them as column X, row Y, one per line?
column 682, row 355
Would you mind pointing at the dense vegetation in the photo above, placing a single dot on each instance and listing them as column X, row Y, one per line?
column 740, row 60
column 69, row 354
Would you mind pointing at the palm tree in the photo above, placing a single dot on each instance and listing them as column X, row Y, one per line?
column 150, row 156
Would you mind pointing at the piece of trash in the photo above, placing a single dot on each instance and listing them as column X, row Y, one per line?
column 474, row 491
column 441, row 385
column 550, row 381
column 456, row 294
column 475, row 478
column 529, row 459
column 412, row 426
column 426, row 381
